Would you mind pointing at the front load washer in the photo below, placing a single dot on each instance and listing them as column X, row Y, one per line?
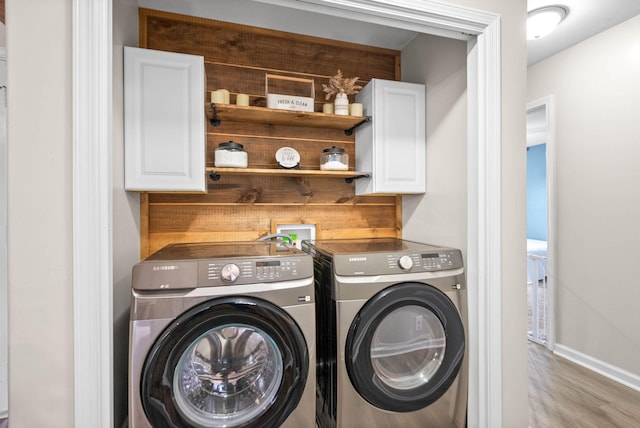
column 391, row 321
column 223, row 335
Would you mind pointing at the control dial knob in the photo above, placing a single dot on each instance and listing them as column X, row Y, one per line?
column 405, row 262
column 230, row 272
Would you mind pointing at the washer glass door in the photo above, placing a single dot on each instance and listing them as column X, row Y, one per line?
column 227, row 376
column 405, row 347
column 228, row 362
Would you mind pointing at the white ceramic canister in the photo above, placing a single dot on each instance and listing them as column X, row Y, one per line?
column 230, row 155
column 341, row 104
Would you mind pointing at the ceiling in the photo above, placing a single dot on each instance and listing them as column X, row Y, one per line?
column 585, row 19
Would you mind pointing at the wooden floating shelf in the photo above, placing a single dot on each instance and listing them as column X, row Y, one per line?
column 215, row 173
column 235, row 113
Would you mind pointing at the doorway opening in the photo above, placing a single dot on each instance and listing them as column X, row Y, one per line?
column 484, row 195
column 540, row 221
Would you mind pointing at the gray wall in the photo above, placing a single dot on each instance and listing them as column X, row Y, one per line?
column 40, row 210
column 597, row 90
column 4, row 319
column 439, row 216
column 126, row 211
column 40, row 213
column 513, row 75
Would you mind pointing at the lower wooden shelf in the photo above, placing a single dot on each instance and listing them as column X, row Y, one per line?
column 215, row 173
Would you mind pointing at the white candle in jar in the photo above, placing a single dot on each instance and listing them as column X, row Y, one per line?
column 327, row 108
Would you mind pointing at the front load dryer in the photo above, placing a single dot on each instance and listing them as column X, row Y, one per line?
column 391, row 321
column 223, row 335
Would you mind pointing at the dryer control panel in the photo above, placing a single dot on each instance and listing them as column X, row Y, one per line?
column 394, row 263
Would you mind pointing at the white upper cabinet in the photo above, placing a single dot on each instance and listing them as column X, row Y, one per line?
column 165, row 130
column 391, row 147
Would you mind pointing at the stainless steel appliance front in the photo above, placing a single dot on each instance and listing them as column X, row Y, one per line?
column 391, row 349
column 223, row 334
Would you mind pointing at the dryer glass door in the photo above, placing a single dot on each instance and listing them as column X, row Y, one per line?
column 405, row 347
column 232, row 361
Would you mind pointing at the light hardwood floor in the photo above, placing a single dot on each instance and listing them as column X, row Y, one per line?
column 565, row 395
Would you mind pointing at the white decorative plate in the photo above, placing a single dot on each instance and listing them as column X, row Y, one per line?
column 288, row 157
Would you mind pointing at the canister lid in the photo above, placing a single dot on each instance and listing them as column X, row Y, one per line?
column 334, row 149
column 230, row 145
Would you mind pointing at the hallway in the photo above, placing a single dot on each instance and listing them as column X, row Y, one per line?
column 564, row 394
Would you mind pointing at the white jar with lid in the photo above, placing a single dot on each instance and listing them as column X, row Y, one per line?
column 334, row 159
column 230, row 155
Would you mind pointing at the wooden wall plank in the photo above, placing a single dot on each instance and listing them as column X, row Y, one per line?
column 237, row 57
column 276, row 190
column 251, row 81
column 270, row 50
column 399, row 217
column 261, row 152
column 175, row 218
column 145, row 244
column 160, row 239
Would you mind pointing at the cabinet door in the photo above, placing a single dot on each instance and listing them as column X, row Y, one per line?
column 392, row 146
column 165, row 134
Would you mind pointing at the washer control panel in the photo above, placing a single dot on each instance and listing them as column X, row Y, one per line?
column 227, row 272
column 230, row 272
column 438, row 261
column 175, row 275
column 405, row 262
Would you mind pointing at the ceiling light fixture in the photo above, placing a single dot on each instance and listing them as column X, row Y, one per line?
column 544, row 20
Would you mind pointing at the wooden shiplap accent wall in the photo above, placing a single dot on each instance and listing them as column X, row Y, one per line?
column 237, row 57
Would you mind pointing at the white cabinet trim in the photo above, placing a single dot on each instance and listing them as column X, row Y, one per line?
column 92, row 273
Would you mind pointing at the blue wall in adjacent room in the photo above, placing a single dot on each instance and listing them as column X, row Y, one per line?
column 537, row 192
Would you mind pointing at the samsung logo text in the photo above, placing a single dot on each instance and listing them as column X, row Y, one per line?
column 165, row 267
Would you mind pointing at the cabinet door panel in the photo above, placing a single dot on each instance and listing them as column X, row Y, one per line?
column 164, row 122
column 392, row 146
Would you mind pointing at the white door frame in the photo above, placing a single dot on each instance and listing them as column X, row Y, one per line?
column 92, row 213
column 4, row 306
column 548, row 103
column 92, row 222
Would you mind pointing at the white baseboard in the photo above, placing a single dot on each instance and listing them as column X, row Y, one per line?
column 605, row 369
